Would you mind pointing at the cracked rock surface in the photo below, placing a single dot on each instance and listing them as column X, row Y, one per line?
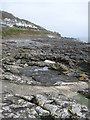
column 50, row 106
column 40, row 75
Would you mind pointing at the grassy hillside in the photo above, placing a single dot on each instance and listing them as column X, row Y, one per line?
column 15, row 31
column 22, row 30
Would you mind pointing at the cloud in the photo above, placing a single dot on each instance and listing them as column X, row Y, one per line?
column 44, row 1
column 69, row 17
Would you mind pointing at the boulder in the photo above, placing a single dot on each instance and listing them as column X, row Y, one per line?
column 59, row 67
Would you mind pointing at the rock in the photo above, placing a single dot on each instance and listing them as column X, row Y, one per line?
column 84, row 65
column 8, row 61
column 51, row 108
column 8, row 54
column 11, row 77
column 51, row 36
column 1, row 71
column 75, row 111
column 63, row 114
column 42, row 112
column 41, row 99
column 40, row 64
column 37, row 106
column 29, row 81
column 26, row 98
column 59, row 67
column 21, row 105
column 26, row 65
column 85, row 92
column 32, row 113
column 83, row 77
column 6, row 108
column 18, row 61
column 11, row 69
column 64, row 83
column 11, row 115
column 22, row 56
column 49, row 61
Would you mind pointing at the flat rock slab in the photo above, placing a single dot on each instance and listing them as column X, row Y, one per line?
column 68, row 90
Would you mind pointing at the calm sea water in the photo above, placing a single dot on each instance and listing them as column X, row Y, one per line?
column 84, row 39
column 67, row 32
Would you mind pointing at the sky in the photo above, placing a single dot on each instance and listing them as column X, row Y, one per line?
column 68, row 17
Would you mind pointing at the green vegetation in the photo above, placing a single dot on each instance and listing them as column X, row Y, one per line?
column 0, row 32
column 16, row 31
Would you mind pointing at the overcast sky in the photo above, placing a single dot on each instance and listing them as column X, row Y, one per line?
column 68, row 17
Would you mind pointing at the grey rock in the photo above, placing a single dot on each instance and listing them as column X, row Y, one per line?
column 11, row 77
column 42, row 112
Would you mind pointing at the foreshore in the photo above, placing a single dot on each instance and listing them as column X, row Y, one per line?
column 41, row 74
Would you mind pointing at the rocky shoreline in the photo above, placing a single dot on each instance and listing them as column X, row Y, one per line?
column 40, row 74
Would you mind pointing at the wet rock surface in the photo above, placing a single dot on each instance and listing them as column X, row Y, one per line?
column 59, row 64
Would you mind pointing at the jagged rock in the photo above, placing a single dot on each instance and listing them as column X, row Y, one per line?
column 85, row 92
column 22, row 56
column 26, row 65
column 32, row 113
column 42, row 112
column 51, row 108
column 59, row 67
column 11, row 69
column 11, row 77
column 1, row 71
column 27, row 98
column 8, row 61
column 43, row 100
column 40, row 105
column 40, row 64
column 21, row 105
column 76, row 110
column 83, row 77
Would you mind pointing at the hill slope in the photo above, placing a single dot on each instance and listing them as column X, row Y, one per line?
column 7, row 15
column 15, row 30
